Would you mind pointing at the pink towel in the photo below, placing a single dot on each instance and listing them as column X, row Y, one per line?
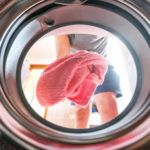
column 74, row 76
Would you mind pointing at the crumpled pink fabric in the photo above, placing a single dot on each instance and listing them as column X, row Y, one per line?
column 74, row 76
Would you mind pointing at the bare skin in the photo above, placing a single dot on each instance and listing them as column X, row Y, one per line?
column 82, row 117
column 106, row 105
column 62, row 46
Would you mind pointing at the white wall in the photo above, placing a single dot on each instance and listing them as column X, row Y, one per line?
column 43, row 51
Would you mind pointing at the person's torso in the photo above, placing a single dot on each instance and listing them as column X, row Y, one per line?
column 88, row 42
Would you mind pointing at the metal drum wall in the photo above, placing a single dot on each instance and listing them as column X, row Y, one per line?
column 22, row 23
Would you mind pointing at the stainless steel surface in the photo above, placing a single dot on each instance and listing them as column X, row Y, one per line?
column 22, row 24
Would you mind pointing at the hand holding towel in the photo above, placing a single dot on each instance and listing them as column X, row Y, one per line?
column 74, row 76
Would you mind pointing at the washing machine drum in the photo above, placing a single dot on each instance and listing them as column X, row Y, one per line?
column 24, row 22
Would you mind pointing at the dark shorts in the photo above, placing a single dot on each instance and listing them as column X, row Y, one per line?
column 111, row 83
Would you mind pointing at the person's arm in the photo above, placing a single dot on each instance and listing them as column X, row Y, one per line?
column 62, row 45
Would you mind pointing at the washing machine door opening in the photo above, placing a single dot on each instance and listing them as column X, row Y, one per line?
column 30, row 45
